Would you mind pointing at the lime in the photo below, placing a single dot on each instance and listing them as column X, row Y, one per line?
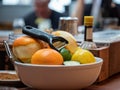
column 66, row 54
column 83, row 56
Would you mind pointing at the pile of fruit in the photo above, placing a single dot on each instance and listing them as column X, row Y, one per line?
column 31, row 50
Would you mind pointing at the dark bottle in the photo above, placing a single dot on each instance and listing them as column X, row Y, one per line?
column 88, row 23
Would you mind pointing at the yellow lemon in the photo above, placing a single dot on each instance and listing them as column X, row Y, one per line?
column 72, row 46
column 83, row 56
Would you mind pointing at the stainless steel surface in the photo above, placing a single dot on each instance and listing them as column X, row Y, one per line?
column 105, row 36
column 4, row 33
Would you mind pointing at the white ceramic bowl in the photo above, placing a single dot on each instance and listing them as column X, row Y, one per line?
column 58, row 76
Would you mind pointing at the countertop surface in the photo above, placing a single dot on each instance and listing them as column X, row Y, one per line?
column 107, row 36
column 4, row 33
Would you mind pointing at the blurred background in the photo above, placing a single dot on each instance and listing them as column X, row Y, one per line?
column 106, row 12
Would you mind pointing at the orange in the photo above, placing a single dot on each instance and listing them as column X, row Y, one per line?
column 24, row 47
column 47, row 57
column 23, row 40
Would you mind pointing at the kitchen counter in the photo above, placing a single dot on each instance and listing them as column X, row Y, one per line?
column 106, row 36
column 4, row 35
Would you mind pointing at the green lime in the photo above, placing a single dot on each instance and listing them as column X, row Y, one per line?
column 66, row 54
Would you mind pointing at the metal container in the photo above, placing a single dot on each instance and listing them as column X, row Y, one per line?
column 69, row 24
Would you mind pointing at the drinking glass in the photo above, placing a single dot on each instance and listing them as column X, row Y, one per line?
column 18, row 23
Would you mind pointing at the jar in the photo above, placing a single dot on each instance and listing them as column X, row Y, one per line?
column 69, row 24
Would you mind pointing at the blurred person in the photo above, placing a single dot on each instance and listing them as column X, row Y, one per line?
column 43, row 17
column 79, row 11
column 82, row 9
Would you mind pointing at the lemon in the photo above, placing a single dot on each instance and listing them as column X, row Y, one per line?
column 66, row 54
column 83, row 56
column 72, row 45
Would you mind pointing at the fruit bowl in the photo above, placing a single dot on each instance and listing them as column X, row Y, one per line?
column 58, row 76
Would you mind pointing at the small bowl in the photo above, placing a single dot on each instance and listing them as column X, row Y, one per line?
column 58, row 76
column 10, row 82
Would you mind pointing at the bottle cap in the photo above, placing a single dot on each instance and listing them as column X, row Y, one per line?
column 88, row 20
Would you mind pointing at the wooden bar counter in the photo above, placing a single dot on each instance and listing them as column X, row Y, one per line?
column 109, row 51
column 111, row 65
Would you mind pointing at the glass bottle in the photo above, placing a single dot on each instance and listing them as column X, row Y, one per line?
column 88, row 23
column 88, row 35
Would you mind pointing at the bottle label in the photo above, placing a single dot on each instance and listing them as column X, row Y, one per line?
column 89, row 34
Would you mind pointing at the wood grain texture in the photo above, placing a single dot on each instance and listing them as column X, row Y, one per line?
column 114, row 58
column 103, row 53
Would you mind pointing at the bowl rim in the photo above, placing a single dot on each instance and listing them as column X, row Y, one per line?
column 98, row 60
